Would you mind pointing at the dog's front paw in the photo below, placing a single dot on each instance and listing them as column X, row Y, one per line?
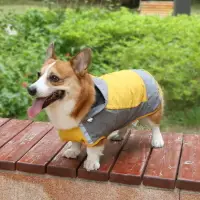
column 90, row 165
column 71, row 153
column 157, row 142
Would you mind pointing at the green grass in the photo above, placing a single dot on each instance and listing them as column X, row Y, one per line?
column 19, row 2
column 18, row 9
column 19, row 6
column 186, row 121
column 181, row 129
column 195, row 9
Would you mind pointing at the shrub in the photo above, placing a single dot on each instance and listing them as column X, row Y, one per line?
column 162, row 46
column 21, row 57
column 166, row 47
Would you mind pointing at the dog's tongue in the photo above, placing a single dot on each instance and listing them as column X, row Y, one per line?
column 36, row 108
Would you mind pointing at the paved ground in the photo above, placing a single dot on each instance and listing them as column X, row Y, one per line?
column 25, row 187
column 21, row 186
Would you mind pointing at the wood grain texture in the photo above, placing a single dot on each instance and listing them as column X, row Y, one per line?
column 11, row 129
column 111, row 152
column 62, row 166
column 132, row 160
column 189, row 173
column 156, row 8
column 36, row 159
column 11, row 152
column 163, row 164
column 3, row 121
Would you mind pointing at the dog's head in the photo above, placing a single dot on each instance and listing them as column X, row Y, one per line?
column 58, row 79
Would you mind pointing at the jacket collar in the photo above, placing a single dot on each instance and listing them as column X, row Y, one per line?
column 101, row 89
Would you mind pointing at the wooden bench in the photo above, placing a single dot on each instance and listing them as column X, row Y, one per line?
column 161, row 8
column 35, row 148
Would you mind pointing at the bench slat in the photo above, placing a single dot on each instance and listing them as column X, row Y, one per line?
column 132, row 160
column 155, row 12
column 156, row 8
column 36, row 159
column 61, row 166
column 3, row 121
column 11, row 152
column 189, row 174
column 163, row 164
column 156, row 2
column 164, row 14
column 11, row 129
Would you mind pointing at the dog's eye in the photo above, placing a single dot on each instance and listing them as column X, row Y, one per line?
column 38, row 74
column 54, row 78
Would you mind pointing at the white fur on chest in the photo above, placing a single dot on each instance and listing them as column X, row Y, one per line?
column 59, row 114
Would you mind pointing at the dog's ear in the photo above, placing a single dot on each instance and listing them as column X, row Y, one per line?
column 50, row 51
column 81, row 61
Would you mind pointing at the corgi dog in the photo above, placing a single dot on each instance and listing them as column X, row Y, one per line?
column 88, row 110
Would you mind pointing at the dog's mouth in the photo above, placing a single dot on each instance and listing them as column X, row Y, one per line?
column 40, row 103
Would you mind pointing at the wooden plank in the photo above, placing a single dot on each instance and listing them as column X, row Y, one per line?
column 112, row 149
column 189, row 174
column 11, row 129
column 156, row 2
column 11, row 152
column 156, row 8
column 157, row 5
column 3, row 121
column 161, row 14
column 61, row 166
column 156, row 13
column 163, row 164
column 37, row 158
column 132, row 160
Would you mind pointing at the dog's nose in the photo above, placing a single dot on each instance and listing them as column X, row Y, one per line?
column 32, row 90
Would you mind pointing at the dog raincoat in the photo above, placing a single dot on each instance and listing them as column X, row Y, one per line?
column 121, row 98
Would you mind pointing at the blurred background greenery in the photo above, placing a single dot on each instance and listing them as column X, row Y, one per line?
column 120, row 38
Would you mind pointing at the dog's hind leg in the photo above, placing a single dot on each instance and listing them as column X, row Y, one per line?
column 153, row 121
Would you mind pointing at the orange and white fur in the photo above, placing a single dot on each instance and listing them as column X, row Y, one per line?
column 68, row 112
